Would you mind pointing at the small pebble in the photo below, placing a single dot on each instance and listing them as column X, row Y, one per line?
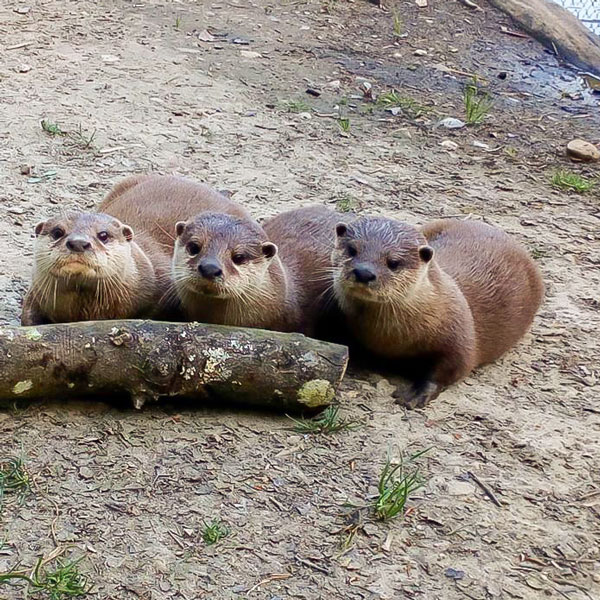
column 582, row 150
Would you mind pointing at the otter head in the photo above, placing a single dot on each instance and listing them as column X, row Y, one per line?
column 378, row 260
column 82, row 247
column 221, row 256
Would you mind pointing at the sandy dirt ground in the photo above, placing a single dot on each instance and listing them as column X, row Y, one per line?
column 129, row 491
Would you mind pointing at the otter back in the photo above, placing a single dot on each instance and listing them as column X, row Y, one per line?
column 304, row 237
column 152, row 204
column 498, row 278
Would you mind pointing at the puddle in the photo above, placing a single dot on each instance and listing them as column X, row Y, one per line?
column 587, row 11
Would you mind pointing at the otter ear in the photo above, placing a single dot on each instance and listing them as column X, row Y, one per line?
column 426, row 253
column 39, row 227
column 341, row 229
column 127, row 232
column 269, row 250
column 179, row 227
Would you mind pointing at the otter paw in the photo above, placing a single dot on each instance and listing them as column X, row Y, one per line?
column 418, row 396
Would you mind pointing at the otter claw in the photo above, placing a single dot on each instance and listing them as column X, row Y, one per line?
column 418, row 396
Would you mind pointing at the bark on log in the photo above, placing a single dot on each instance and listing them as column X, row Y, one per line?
column 151, row 359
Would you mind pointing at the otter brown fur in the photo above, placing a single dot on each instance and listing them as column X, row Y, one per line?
column 79, row 276
column 232, row 271
column 452, row 296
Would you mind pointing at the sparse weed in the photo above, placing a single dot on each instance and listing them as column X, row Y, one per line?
column 329, row 421
column 345, row 203
column 81, row 138
column 344, row 124
column 61, row 583
column 538, row 253
column 396, row 484
column 14, row 478
column 51, row 128
column 354, row 523
column 296, row 106
column 398, row 24
column 569, row 181
column 477, row 103
column 214, row 531
column 411, row 108
column 177, row 22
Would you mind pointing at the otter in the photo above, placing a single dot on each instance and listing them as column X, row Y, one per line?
column 86, row 267
column 443, row 299
column 231, row 271
column 89, row 266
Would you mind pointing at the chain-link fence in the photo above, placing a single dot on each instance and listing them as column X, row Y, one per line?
column 588, row 12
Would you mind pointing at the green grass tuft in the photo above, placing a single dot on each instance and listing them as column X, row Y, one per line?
column 214, row 532
column 396, row 484
column 14, row 478
column 329, row 421
column 478, row 103
column 346, row 203
column 411, row 108
column 296, row 106
column 398, row 24
column 344, row 124
column 61, row 583
column 569, row 181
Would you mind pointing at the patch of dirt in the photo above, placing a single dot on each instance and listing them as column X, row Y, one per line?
column 131, row 491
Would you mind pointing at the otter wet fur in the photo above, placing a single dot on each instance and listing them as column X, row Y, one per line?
column 445, row 299
column 230, row 271
column 89, row 266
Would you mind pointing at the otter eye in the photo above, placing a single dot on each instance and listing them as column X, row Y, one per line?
column 239, row 259
column 57, row 233
column 103, row 236
column 193, row 248
column 352, row 251
column 393, row 263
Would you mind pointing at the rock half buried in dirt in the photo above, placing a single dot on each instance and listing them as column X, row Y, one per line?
column 582, row 150
column 556, row 28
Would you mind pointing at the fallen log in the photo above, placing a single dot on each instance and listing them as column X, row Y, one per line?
column 151, row 359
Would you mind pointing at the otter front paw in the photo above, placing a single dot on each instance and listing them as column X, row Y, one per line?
column 418, row 395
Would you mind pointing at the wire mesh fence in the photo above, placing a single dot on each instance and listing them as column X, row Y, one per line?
column 588, row 11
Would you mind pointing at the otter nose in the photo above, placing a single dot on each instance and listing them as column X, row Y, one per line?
column 363, row 274
column 77, row 243
column 209, row 270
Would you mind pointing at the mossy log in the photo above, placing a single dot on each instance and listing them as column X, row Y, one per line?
column 151, row 359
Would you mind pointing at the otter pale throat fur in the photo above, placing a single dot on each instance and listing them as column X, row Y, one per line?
column 455, row 295
column 87, row 266
column 228, row 270
column 107, row 274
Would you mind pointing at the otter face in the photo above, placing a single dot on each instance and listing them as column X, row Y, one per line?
column 377, row 259
column 221, row 256
column 82, row 246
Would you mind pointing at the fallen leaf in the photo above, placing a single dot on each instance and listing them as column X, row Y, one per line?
column 451, row 123
column 204, row 36
column 250, row 54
